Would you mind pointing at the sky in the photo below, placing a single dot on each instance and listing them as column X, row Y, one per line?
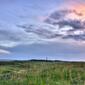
column 36, row 29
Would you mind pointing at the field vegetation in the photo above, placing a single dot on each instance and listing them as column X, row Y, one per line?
column 42, row 73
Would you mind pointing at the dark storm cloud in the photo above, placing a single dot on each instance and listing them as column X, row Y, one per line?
column 42, row 31
column 47, row 33
column 59, row 14
column 60, row 18
column 75, row 24
column 76, row 37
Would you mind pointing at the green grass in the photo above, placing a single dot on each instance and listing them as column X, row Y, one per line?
column 42, row 73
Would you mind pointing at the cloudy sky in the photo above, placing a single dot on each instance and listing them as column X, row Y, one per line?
column 34, row 29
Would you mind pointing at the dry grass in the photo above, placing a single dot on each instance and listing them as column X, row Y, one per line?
column 42, row 73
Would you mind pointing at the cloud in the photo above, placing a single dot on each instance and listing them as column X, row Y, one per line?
column 57, row 27
column 65, row 19
column 75, row 24
column 4, row 51
column 61, row 25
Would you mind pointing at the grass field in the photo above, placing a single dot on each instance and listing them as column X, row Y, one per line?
column 42, row 73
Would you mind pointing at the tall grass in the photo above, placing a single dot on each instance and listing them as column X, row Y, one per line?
column 42, row 73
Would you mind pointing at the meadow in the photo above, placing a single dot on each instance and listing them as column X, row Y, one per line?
column 42, row 73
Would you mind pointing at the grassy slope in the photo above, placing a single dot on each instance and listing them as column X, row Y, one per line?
column 42, row 73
